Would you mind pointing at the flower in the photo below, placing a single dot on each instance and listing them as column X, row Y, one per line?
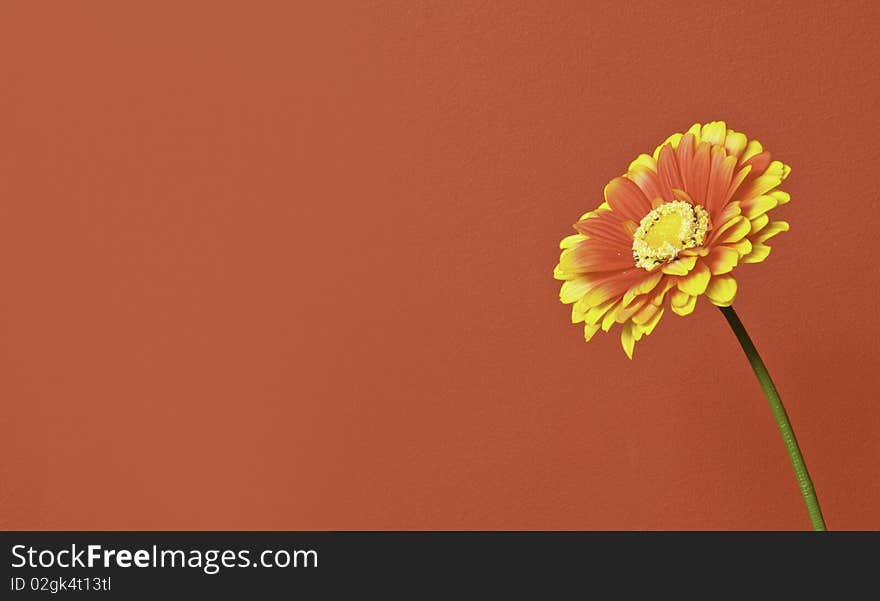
column 674, row 227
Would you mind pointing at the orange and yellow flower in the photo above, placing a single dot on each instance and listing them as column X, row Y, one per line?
column 674, row 227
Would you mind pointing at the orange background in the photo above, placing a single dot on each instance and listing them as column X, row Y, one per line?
column 279, row 265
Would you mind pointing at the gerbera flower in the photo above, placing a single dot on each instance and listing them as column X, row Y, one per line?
column 671, row 229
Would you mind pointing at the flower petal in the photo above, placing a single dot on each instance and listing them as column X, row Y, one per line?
column 682, row 303
column 685, row 155
column 758, row 254
column 627, row 339
column 743, row 247
column 589, row 331
column 572, row 241
column 649, row 326
column 735, row 143
column 608, row 227
column 699, row 173
column 722, row 290
column 781, row 196
column 645, row 161
column 612, row 286
column 759, row 222
column 574, row 290
column 719, row 180
column 753, row 207
column 753, row 148
column 645, row 314
column 722, row 259
column 714, row 132
column 733, row 231
column 668, row 173
column 771, row 230
column 627, row 199
column 696, row 281
column 647, row 180
column 643, row 287
column 680, row 266
column 597, row 313
column 757, row 187
column 594, row 256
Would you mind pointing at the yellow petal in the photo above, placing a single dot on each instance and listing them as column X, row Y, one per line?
column 610, row 317
column 572, row 241
column 596, row 313
column 781, row 196
column 771, row 230
column 758, row 254
column 760, row 185
column 743, row 247
column 715, row 132
column 752, row 148
column 589, row 331
column 649, row 327
column 722, row 290
column 758, row 206
column 645, row 314
column 759, row 222
column 680, row 266
column 698, row 251
column 776, row 168
column 696, row 281
column 734, row 230
column 642, row 287
column 574, row 290
column 578, row 312
column 674, row 139
column 660, row 293
column 644, row 161
column 627, row 339
column 735, row 142
column 681, row 303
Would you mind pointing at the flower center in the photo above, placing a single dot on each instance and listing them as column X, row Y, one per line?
column 666, row 231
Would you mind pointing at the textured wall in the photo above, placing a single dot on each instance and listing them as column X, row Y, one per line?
column 270, row 265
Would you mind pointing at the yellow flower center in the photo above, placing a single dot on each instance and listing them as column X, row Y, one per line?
column 666, row 231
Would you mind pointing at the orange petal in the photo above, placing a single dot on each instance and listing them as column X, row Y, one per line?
column 735, row 182
column 685, row 155
column 699, row 173
column 648, row 181
column 722, row 259
column 593, row 256
column 759, row 161
column 627, row 199
column 612, row 286
column 668, row 173
column 607, row 227
column 719, row 180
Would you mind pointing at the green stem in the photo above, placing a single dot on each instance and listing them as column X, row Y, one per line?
column 781, row 417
